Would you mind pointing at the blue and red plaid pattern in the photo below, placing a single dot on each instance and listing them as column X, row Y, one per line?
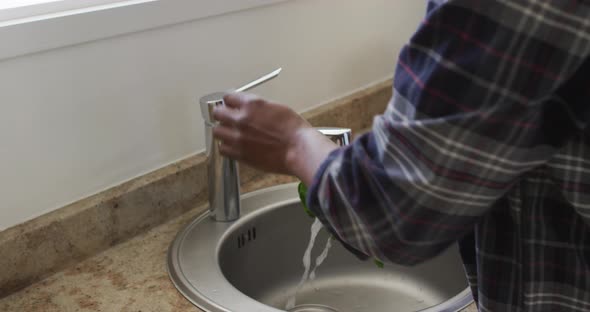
column 484, row 142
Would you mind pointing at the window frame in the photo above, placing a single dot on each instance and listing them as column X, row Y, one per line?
column 46, row 31
column 17, row 11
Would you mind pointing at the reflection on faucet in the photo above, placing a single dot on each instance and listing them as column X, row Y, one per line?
column 340, row 136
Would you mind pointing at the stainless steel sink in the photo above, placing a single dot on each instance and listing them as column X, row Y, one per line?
column 255, row 263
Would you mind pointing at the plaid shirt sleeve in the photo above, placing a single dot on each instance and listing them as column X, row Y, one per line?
column 475, row 106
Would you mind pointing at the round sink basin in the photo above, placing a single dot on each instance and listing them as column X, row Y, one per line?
column 255, row 264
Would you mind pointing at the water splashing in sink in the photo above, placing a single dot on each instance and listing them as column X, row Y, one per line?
column 315, row 229
column 320, row 259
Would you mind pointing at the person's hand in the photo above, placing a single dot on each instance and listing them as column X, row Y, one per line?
column 269, row 136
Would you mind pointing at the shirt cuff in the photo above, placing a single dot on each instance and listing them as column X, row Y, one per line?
column 313, row 203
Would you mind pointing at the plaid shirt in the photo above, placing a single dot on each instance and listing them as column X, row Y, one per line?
column 484, row 142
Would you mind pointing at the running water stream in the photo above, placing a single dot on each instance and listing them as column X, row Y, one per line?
column 315, row 229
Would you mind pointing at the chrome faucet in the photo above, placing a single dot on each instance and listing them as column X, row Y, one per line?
column 222, row 172
column 223, row 175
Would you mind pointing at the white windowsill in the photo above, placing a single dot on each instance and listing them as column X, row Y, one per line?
column 50, row 31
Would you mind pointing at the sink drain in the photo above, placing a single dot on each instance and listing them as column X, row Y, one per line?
column 312, row 308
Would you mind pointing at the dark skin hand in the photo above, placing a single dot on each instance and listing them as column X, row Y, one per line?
column 269, row 136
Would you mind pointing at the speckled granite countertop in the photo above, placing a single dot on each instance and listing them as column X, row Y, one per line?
column 130, row 277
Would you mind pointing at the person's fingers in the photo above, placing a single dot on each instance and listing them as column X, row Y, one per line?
column 230, row 151
column 238, row 99
column 233, row 100
column 226, row 115
column 229, row 135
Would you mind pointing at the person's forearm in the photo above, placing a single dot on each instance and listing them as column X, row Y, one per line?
column 311, row 150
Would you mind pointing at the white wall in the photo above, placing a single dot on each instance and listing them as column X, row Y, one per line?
column 77, row 120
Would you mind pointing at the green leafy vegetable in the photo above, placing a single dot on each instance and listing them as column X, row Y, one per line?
column 378, row 263
column 303, row 197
